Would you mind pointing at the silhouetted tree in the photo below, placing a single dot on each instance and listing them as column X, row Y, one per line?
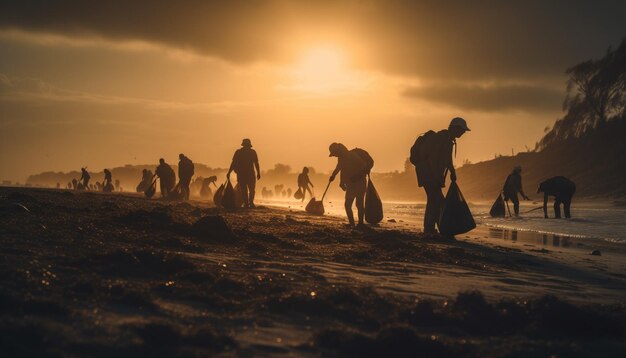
column 596, row 93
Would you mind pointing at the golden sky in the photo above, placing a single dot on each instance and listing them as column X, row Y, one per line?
column 103, row 84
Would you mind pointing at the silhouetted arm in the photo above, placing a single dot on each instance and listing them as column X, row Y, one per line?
column 450, row 164
column 521, row 190
column 335, row 172
column 309, row 180
column 232, row 166
column 256, row 165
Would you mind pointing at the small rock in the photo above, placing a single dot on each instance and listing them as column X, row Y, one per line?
column 212, row 226
column 391, row 220
column 596, row 253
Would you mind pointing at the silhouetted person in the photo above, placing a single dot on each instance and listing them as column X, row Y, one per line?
column 432, row 166
column 167, row 177
column 74, row 184
column 245, row 161
column 107, row 184
column 205, row 189
column 185, row 173
column 278, row 188
column 117, row 184
column 354, row 166
column 563, row 190
column 512, row 186
column 85, row 178
column 304, row 181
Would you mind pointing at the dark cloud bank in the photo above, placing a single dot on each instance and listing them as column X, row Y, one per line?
column 465, row 39
column 446, row 41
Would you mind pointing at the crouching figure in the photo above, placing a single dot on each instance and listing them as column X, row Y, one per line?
column 563, row 190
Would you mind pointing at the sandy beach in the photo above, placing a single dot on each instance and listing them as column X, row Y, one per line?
column 101, row 275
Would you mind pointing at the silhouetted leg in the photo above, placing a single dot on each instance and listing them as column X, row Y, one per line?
column 557, row 208
column 515, row 201
column 361, row 186
column 566, row 207
column 350, row 196
column 434, row 199
column 252, row 190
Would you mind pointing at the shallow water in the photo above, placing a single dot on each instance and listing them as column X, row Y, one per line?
column 601, row 220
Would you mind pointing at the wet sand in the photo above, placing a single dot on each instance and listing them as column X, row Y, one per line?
column 97, row 274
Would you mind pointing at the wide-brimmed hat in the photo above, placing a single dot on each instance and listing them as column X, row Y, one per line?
column 246, row 143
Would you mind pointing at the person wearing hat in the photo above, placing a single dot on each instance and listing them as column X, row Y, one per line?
column 432, row 166
column 244, row 163
column 512, row 186
column 354, row 166
column 185, row 173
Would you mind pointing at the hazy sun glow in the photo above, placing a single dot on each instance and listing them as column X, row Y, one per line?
column 324, row 69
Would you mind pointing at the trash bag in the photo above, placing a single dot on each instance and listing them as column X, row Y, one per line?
column 315, row 207
column 108, row 188
column 206, row 192
column 497, row 209
column 229, row 200
column 298, row 194
column 373, row 204
column 456, row 217
column 143, row 186
column 217, row 198
column 151, row 190
column 238, row 196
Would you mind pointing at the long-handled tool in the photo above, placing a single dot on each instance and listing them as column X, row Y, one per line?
column 317, row 206
column 151, row 190
column 533, row 209
column 508, row 208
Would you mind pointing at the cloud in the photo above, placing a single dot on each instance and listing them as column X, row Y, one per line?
column 434, row 39
column 491, row 98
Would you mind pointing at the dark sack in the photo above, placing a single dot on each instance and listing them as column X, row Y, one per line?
column 418, row 150
column 373, row 205
column 315, row 207
column 238, row 196
column 151, row 190
column 298, row 195
column 217, row 198
column 229, row 200
column 497, row 209
column 456, row 217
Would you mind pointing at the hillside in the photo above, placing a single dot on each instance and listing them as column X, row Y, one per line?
column 596, row 162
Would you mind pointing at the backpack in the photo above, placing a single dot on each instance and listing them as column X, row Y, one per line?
column 369, row 161
column 418, row 152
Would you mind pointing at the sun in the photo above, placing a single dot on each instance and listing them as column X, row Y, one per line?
column 324, row 69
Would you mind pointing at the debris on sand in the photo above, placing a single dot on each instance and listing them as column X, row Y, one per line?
column 15, row 208
column 212, row 228
column 596, row 253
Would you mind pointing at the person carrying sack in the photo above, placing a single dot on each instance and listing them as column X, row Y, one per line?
column 245, row 161
column 354, row 166
column 432, row 156
column 303, row 183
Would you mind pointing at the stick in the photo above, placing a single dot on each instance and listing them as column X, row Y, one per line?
column 531, row 210
column 327, row 186
column 508, row 208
